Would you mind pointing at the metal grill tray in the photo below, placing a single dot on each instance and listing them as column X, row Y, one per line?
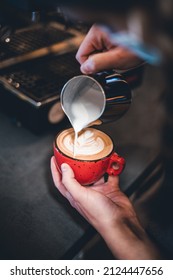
column 43, row 78
column 33, row 38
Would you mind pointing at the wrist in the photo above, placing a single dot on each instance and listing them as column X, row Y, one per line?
column 128, row 240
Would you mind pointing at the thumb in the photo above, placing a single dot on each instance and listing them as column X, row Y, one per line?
column 103, row 60
column 69, row 181
column 117, row 58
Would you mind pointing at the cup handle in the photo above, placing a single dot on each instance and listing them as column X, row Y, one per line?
column 116, row 165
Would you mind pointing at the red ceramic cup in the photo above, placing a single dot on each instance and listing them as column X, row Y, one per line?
column 88, row 172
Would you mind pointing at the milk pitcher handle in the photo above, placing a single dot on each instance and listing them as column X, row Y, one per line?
column 118, row 95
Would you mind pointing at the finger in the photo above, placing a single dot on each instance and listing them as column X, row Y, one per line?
column 101, row 186
column 71, row 184
column 116, row 58
column 114, row 182
column 99, row 182
column 55, row 173
column 57, row 177
column 92, row 43
column 85, row 50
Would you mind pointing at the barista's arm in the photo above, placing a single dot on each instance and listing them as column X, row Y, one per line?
column 127, row 240
column 107, row 209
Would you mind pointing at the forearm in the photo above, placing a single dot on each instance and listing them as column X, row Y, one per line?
column 127, row 240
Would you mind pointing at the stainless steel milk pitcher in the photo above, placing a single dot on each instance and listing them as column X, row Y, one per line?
column 108, row 84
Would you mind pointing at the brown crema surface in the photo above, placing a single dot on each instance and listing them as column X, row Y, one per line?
column 69, row 133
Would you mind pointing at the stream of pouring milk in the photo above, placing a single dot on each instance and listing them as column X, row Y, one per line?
column 82, row 118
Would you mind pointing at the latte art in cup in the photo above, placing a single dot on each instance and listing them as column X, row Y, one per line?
column 85, row 144
column 95, row 154
column 91, row 144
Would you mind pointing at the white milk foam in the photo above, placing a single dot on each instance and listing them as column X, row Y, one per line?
column 86, row 144
column 81, row 119
column 83, row 114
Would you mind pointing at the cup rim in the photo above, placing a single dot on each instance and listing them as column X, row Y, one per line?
column 83, row 160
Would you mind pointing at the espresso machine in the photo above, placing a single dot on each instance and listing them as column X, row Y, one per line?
column 37, row 57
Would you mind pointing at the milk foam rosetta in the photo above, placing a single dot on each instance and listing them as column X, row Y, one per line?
column 91, row 144
column 87, row 143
